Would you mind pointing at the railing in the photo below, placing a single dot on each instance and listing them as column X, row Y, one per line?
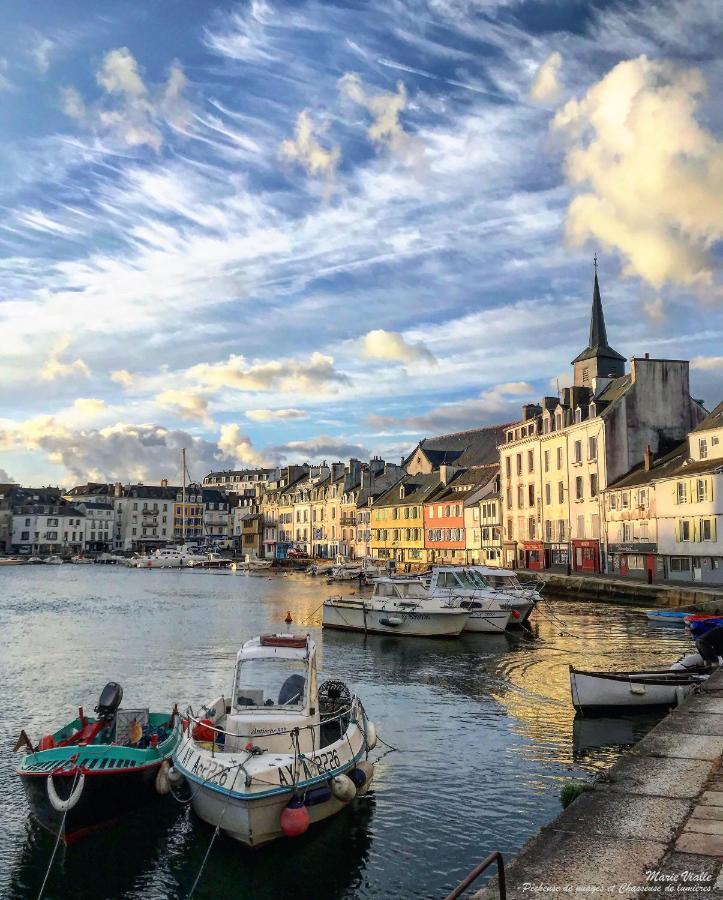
column 348, row 520
column 495, row 857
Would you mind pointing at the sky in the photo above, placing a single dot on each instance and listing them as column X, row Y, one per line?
column 275, row 232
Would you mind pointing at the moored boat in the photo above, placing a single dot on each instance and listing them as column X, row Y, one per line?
column 702, row 624
column 474, row 588
column 53, row 561
column 279, row 753
column 92, row 771
column 601, row 692
column 667, row 616
column 397, row 606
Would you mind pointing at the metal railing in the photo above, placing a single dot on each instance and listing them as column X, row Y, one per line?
column 495, row 857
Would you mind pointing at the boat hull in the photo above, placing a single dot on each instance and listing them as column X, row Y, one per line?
column 490, row 621
column 103, row 800
column 601, row 692
column 351, row 616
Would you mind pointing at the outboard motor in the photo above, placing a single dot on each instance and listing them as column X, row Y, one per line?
column 710, row 645
column 110, row 700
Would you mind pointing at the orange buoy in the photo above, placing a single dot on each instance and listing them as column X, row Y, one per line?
column 288, row 618
column 294, row 819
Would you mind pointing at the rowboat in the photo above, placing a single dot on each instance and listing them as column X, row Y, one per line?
column 667, row 616
column 280, row 753
column 92, row 771
column 702, row 624
column 600, row 692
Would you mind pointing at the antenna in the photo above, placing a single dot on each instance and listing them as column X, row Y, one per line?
column 183, row 496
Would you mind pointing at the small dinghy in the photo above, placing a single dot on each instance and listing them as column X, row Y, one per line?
column 94, row 770
column 601, row 692
column 702, row 624
column 279, row 753
column 667, row 616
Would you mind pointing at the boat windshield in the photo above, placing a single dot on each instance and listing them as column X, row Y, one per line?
column 476, row 578
column 503, row 581
column 271, row 683
column 412, row 589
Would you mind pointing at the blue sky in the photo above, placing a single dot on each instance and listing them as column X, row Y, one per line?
column 272, row 232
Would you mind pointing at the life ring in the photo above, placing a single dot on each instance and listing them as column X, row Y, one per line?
column 64, row 805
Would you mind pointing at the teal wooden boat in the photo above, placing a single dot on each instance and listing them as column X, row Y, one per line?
column 93, row 771
column 668, row 616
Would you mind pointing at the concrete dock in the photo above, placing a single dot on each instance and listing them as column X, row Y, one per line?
column 651, row 826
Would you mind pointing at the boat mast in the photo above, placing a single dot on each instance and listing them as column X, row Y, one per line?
column 183, row 496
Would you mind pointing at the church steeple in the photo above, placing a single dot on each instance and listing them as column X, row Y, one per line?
column 598, row 359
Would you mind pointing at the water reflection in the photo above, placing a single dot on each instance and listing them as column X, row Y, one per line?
column 484, row 726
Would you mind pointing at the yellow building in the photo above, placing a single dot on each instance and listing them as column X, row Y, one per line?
column 397, row 521
column 188, row 514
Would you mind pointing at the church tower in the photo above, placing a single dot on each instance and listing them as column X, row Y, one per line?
column 598, row 359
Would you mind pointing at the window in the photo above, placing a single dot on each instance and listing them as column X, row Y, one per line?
column 593, row 485
column 700, row 490
column 519, row 464
column 625, row 499
column 613, row 501
column 561, row 529
column 592, row 448
column 684, row 530
column 643, row 498
column 559, row 458
column 547, row 460
column 531, row 494
column 679, row 564
column 578, row 414
column 714, row 442
column 706, row 531
column 509, row 498
column 548, row 493
column 509, row 529
column 578, row 451
column 581, row 526
column 643, row 531
column 548, row 529
column 531, row 528
column 595, row 526
column 703, row 448
column 681, row 492
column 530, row 461
column 25, row 536
column 558, row 422
column 520, row 495
column 508, row 466
column 560, row 492
column 579, row 488
column 586, row 376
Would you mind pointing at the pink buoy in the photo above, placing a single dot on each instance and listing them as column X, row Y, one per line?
column 294, row 819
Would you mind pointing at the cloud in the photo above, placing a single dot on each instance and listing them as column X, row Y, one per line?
column 649, row 177
column 496, row 404
column 317, row 449
column 188, row 404
column 269, row 415
column 545, row 86
column 653, row 309
column 391, row 346
column 386, row 129
column 307, row 151
column 5, row 478
column 122, row 377
column 707, row 363
column 310, row 376
column 130, row 110
column 237, row 446
column 242, row 35
column 54, row 368
column 89, row 406
column 42, row 52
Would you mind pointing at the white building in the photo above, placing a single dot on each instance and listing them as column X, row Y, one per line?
column 45, row 524
column 99, row 525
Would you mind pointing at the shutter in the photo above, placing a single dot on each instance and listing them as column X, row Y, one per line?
column 675, row 493
column 713, row 529
column 677, row 531
column 696, row 530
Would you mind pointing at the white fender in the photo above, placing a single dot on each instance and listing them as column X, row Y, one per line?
column 370, row 734
column 163, row 782
column 343, row 788
column 175, row 778
column 64, row 805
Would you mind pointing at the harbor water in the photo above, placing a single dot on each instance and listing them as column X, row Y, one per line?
column 483, row 726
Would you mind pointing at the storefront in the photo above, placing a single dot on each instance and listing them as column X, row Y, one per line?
column 509, row 555
column 557, row 557
column 639, row 561
column 532, row 555
column 586, row 556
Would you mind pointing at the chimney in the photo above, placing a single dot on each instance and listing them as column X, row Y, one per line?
column 117, row 489
column 443, row 474
column 647, row 458
column 164, row 482
column 647, row 356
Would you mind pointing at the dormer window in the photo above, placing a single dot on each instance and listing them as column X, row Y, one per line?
column 558, row 422
column 578, row 414
column 510, row 436
column 591, row 411
column 401, row 492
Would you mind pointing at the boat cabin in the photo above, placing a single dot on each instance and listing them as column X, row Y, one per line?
column 410, row 590
column 274, row 691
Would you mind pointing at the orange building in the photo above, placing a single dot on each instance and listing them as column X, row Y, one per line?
column 444, row 533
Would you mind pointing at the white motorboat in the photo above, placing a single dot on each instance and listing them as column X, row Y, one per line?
column 252, row 565
column 82, row 561
column 13, row 561
column 472, row 592
column 171, row 557
column 53, row 561
column 600, row 692
column 278, row 754
column 397, row 606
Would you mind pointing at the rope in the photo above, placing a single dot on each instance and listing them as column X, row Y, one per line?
column 208, row 849
column 57, row 840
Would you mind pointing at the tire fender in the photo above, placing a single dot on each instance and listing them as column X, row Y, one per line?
column 64, row 805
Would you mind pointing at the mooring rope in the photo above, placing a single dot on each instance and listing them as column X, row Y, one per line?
column 60, row 834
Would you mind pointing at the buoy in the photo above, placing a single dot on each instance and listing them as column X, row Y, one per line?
column 288, row 618
column 362, row 777
column 515, row 614
column 370, row 733
column 343, row 788
column 175, row 778
column 47, row 742
column 294, row 819
column 203, row 731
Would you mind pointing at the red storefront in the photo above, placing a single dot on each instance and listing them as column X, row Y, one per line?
column 586, row 556
column 533, row 554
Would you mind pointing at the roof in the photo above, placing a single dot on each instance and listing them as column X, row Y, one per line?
column 598, row 341
column 94, row 504
column 676, row 464
column 712, row 420
column 254, row 649
column 464, row 483
column 464, row 448
column 416, row 490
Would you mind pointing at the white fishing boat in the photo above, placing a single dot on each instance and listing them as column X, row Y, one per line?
column 474, row 592
column 279, row 753
column 251, row 565
column 170, row 557
column 353, row 570
column 53, row 561
column 606, row 691
column 82, row 561
column 397, row 606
